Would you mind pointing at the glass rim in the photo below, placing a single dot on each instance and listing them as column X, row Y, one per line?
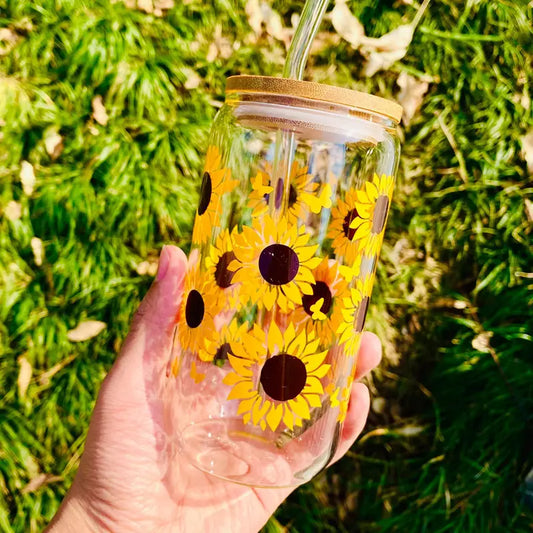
column 315, row 91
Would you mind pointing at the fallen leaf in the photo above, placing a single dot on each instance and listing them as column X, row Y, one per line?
column 53, row 142
column 481, row 342
column 47, row 375
column 527, row 150
column 384, row 51
column 24, row 377
column 13, row 210
column 99, row 112
column 147, row 268
column 27, row 177
column 411, row 95
column 86, row 330
column 8, row 39
column 37, row 249
column 260, row 13
column 38, row 481
column 346, row 24
column 220, row 46
column 193, row 79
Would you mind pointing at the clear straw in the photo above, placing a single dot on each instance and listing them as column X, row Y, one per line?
column 310, row 20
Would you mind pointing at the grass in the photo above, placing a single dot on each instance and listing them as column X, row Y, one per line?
column 449, row 439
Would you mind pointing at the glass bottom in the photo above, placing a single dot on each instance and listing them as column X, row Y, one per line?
column 225, row 448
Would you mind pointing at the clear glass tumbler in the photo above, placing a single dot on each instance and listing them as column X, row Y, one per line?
column 294, row 198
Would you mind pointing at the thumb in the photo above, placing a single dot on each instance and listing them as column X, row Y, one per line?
column 152, row 329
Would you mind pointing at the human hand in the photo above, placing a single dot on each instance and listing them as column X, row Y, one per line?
column 121, row 485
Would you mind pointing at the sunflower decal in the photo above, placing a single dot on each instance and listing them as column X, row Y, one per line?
column 228, row 341
column 274, row 263
column 197, row 311
column 321, row 311
column 279, row 379
column 258, row 198
column 216, row 180
column 346, row 242
column 302, row 194
column 218, row 273
column 355, row 307
column 372, row 206
column 341, row 398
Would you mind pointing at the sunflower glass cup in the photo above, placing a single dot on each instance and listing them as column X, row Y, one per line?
column 294, row 198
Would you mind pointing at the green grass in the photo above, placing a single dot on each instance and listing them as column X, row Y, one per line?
column 449, row 440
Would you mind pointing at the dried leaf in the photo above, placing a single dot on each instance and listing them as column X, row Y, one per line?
column 481, row 342
column 147, row 268
column 53, row 143
column 37, row 249
column 346, row 24
column 99, row 112
column 220, row 46
column 47, row 375
column 383, row 52
column 86, row 330
column 38, row 481
column 8, row 39
column 193, row 79
column 527, row 150
column 411, row 95
column 259, row 13
column 24, row 377
column 13, row 210
column 27, row 177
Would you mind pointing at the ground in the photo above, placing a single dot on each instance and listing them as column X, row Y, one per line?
column 104, row 113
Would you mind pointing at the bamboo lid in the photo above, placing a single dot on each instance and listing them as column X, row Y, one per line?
column 315, row 91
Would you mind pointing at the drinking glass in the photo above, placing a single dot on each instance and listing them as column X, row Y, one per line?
column 294, row 198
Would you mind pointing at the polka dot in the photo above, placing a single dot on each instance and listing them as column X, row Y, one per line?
column 348, row 219
column 194, row 309
column 205, row 193
column 320, row 290
column 283, row 377
column 223, row 276
column 278, row 264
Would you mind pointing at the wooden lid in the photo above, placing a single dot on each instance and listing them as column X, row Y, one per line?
column 315, row 91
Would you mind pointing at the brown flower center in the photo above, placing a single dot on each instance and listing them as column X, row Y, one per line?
column 278, row 264
column 348, row 219
column 283, row 377
column 223, row 276
column 380, row 214
column 194, row 309
column 205, row 193
column 320, row 290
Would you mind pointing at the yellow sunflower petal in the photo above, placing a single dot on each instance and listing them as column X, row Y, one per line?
column 259, row 410
column 241, row 366
column 242, row 391
column 313, row 386
column 246, row 405
column 288, row 418
column 312, row 362
column 300, row 407
column 274, row 416
column 314, row 400
column 231, row 378
column 321, row 371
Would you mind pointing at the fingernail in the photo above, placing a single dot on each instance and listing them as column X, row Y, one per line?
column 164, row 262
